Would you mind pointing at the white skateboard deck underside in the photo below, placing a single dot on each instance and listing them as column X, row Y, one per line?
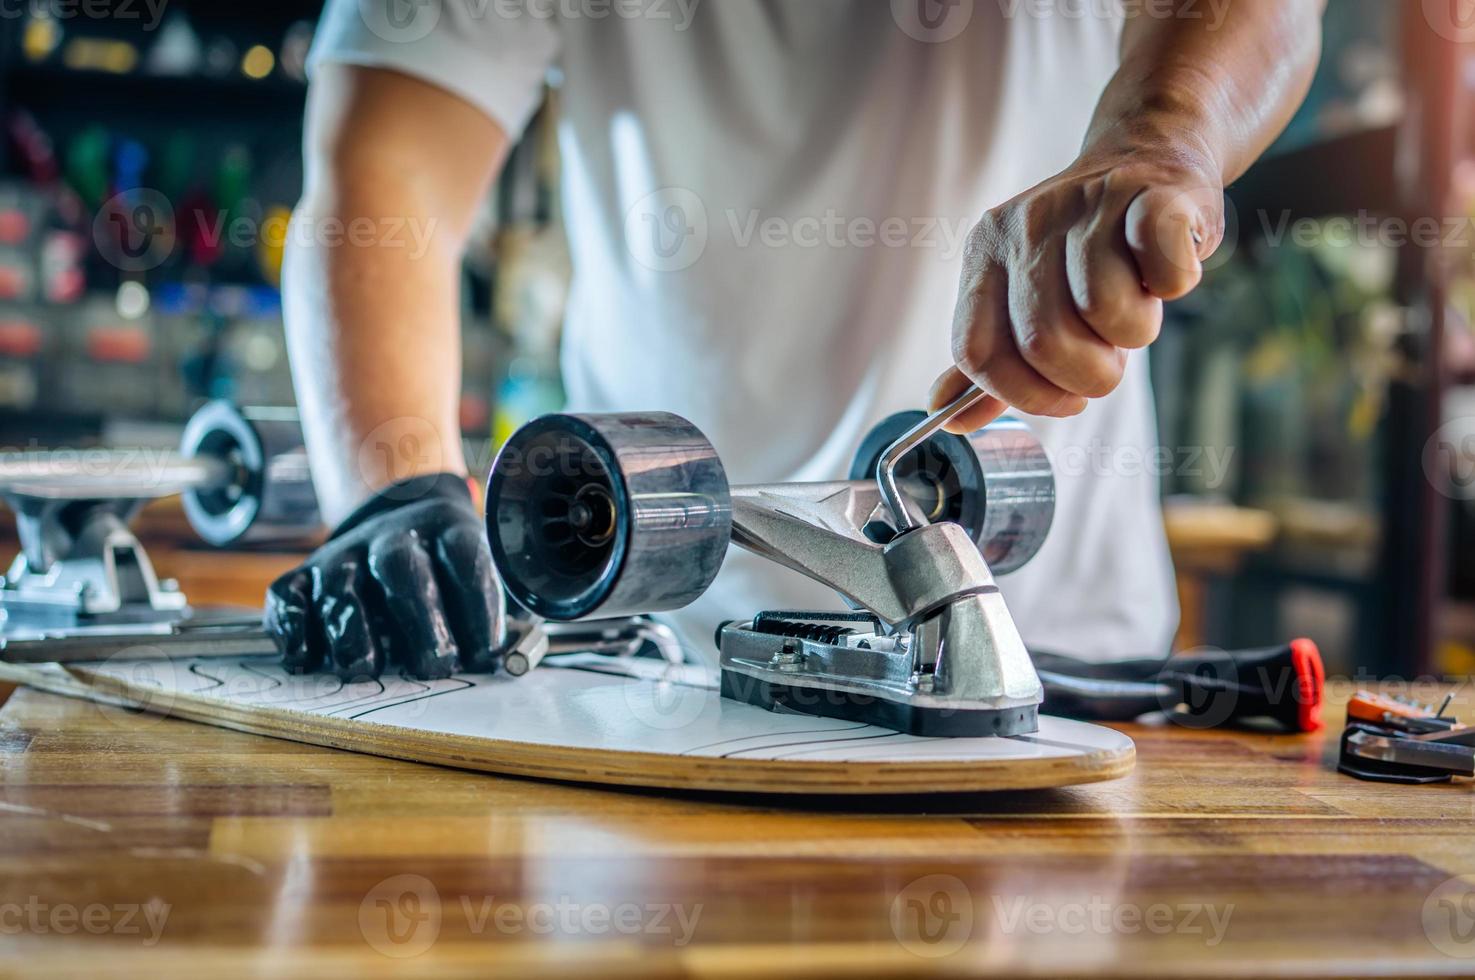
column 573, row 719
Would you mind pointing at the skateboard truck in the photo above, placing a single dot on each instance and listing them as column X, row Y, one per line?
column 600, row 516
column 82, row 576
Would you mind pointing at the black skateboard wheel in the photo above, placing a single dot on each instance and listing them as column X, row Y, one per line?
column 269, row 496
column 595, row 516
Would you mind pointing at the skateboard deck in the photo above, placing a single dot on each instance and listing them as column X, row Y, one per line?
column 588, row 718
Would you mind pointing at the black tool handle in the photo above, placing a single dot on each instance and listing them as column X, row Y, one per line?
column 1284, row 683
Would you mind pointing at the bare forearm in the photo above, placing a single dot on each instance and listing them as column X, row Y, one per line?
column 1221, row 83
column 375, row 342
column 395, row 169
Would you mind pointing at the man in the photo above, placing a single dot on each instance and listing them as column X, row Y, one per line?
column 768, row 204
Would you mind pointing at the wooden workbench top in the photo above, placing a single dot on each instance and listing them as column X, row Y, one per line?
column 157, row 847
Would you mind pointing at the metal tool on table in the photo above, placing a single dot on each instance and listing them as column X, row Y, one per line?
column 611, row 515
column 1395, row 740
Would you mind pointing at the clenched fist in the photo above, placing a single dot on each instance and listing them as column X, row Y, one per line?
column 1061, row 282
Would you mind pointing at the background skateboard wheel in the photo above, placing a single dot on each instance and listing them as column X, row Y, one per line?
column 269, row 496
column 607, row 515
column 997, row 483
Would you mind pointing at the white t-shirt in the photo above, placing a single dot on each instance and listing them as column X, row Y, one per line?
column 766, row 204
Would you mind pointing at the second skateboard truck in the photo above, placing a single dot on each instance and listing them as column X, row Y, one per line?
column 600, row 516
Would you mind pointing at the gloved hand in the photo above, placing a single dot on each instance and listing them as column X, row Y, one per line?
column 405, row 582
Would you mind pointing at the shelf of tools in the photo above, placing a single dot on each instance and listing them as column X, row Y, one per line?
column 149, row 158
column 151, row 155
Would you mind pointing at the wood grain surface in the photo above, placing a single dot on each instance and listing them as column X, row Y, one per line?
column 135, row 845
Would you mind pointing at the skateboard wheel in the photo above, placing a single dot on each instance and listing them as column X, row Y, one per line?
column 997, row 483
column 269, row 496
column 607, row 515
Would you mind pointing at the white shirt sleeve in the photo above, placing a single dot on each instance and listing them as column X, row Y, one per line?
column 494, row 54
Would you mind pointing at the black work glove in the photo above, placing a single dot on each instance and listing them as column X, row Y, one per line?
column 405, row 582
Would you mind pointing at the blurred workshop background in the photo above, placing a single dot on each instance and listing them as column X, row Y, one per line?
column 1307, row 498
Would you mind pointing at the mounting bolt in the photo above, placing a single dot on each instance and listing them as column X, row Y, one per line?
column 788, row 659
